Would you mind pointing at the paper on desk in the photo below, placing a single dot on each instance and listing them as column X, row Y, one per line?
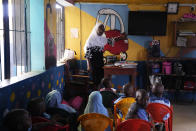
column 126, row 64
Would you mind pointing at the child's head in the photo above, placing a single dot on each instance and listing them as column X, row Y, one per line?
column 17, row 120
column 106, row 82
column 53, row 99
column 157, row 89
column 142, row 97
column 100, row 30
column 36, row 106
column 128, row 90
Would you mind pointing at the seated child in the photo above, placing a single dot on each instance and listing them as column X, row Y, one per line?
column 157, row 95
column 20, row 120
column 54, row 100
column 36, row 107
column 95, row 105
column 138, row 109
column 106, row 84
column 128, row 91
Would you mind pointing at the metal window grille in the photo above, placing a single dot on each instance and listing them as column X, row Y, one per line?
column 1, row 43
column 60, row 35
column 19, row 37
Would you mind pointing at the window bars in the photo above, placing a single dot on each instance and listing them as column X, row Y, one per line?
column 60, row 31
column 18, row 36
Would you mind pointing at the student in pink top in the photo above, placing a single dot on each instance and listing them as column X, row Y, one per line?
column 106, row 85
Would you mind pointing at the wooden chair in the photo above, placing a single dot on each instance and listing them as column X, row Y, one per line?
column 158, row 111
column 123, row 105
column 74, row 73
column 77, row 84
column 134, row 125
column 95, row 122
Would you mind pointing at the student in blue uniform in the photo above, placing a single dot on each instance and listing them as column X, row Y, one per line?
column 137, row 110
column 128, row 91
column 157, row 95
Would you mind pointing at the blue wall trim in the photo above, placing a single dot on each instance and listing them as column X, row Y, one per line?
column 32, row 87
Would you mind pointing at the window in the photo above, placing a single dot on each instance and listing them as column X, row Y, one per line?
column 1, row 42
column 60, row 29
column 14, row 38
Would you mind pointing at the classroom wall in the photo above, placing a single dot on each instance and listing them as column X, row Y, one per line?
column 50, row 33
column 72, row 20
column 39, row 50
column 83, row 17
column 37, row 35
column 18, row 94
column 137, row 1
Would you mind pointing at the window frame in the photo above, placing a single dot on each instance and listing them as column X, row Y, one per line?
column 6, row 41
column 57, row 35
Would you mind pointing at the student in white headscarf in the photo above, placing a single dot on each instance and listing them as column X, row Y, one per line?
column 93, row 50
column 54, row 99
column 95, row 104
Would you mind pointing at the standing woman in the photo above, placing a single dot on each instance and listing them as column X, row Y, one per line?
column 94, row 52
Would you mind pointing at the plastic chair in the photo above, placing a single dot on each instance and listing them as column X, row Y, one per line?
column 37, row 119
column 123, row 105
column 64, row 117
column 134, row 125
column 158, row 111
column 95, row 122
column 108, row 98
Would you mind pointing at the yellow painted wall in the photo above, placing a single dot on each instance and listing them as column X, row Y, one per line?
column 74, row 19
column 51, row 17
column 167, row 42
column 167, row 45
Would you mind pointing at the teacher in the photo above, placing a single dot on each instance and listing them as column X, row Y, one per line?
column 94, row 52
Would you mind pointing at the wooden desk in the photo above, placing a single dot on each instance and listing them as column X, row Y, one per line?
column 114, row 70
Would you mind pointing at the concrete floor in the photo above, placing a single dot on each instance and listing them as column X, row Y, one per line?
column 184, row 118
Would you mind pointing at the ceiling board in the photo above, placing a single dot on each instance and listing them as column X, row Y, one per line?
column 139, row 1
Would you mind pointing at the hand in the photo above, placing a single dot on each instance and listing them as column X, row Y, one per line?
column 88, row 66
column 89, row 69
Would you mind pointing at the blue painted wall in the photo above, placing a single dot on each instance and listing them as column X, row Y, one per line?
column 92, row 10
column 37, row 35
column 17, row 95
column 141, row 81
column 120, row 80
column 191, row 54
